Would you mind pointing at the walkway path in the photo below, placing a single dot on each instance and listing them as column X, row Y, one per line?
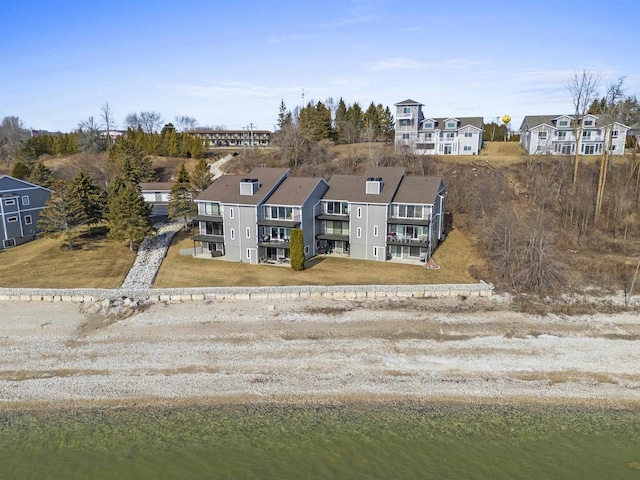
column 150, row 254
column 216, row 167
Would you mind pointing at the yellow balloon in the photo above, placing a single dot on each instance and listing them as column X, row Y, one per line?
column 506, row 119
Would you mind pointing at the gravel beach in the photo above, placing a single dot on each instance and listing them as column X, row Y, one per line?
column 55, row 354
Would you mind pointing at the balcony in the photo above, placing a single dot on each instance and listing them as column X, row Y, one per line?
column 280, row 222
column 333, row 216
column 405, row 116
column 408, row 221
column 208, row 218
column 208, row 238
column 419, row 241
column 267, row 241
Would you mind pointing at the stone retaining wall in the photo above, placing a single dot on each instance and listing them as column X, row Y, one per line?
column 481, row 289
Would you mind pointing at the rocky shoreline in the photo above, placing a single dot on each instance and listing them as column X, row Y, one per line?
column 315, row 350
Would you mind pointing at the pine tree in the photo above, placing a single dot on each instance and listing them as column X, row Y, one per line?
column 61, row 214
column 129, row 159
column 128, row 216
column 88, row 196
column 41, row 175
column 181, row 204
column 297, row 250
column 20, row 170
column 201, row 176
column 284, row 116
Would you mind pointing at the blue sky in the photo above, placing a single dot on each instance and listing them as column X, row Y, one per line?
column 230, row 62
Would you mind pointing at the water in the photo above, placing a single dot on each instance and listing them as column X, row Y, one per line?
column 321, row 442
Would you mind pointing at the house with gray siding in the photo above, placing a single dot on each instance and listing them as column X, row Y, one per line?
column 292, row 205
column 436, row 135
column 382, row 215
column 229, row 210
column 556, row 135
column 20, row 205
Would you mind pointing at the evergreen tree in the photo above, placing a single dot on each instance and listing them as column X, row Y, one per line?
column 284, row 116
column 61, row 214
column 130, row 160
column 128, row 216
column 20, row 170
column 181, row 204
column 87, row 196
column 387, row 124
column 297, row 250
column 41, row 175
column 201, row 176
column 341, row 121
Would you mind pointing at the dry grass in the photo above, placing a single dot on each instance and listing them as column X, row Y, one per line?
column 454, row 256
column 44, row 263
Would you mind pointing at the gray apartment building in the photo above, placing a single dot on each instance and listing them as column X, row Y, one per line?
column 380, row 215
column 20, row 206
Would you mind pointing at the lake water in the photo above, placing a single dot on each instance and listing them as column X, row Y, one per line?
column 321, row 442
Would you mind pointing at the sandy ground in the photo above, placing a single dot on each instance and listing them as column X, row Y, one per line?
column 315, row 350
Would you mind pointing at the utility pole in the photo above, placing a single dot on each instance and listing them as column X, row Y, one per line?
column 251, row 135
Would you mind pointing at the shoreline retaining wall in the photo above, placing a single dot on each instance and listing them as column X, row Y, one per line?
column 81, row 295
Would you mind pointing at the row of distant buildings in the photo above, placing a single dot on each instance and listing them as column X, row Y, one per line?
column 539, row 134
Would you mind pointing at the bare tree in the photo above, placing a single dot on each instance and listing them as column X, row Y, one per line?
column 149, row 122
column 89, row 139
column 12, row 134
column 184, row 123
column 583, row 91
column 107, row 119
column 610, row 114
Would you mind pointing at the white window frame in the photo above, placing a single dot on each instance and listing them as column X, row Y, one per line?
column 468, row 134
column 358, row 232
column 588, row 123
column 232, row 234
column 248, row 253
column 542, row 135
column 359, row 212
column 10, row 242
column 467, row 148
column 9, row 202
column 375, row 252
column 586, row 134
column 248, row 232
column 28, row 220
column 563, row 123
column 12, row 219
column 406, row 136
column 25, row 200
column 615, row 134
column 306, row 249
column 375, row 230
column 230, row 212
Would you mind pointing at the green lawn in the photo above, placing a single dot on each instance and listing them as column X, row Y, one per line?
column 454, row 256
column 44, row 263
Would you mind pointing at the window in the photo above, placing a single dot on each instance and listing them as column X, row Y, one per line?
column 431, row 146
column 337, row 208
column 542, row 135
column 406, row 110
column 563, row 123
column 10, row 243
column 588, row 122
column 248, row 232
column 467, row 148
column 231, row 213
column 11, row 201
column 468, row 134
column 209, row 208
column 451, row 125
column 406, row 136
column 249, row 253
column 406, row 123
column 359, row 212
column 358, row 232
column 232, row 234
column 375, row 230
column 306, row 249
column 375, row 252
column 283, row 213
column 450, row 135
column 615, row 134
column 562, row 134
column 25, row 200
column 428, row 125
column 586, row 135
column 428, row 136
column 27, row 220
column 12, row 219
